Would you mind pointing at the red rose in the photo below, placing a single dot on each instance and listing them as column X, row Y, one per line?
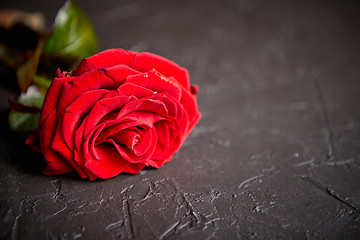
column 119, row 111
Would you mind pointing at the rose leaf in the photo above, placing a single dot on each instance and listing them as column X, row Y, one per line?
column 23, row 121
column 73, row 34
column 42, row 81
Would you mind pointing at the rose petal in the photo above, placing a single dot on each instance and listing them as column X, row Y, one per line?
column 97, row 79
column 79, row 151
column 164, row 149
column 119, row 73
column 87, row 82
column 170, row 102
column 144, row 118
column 129, row 89
column 149, row 136
column 105, row 59
column 189, row 102
column 33, row 140
column 134, row 168
column 155, row 81
column 60, row 147
column 163, row 133
column 55, row 164
column 128, row 137
column 147, row 61
column 74, row 113
column 158, row 163
column 133, row 119
column 52, row 97
column 108, row 167
column 103, row 107
column 144, row 104
column 102, row 151
column 193, row 123
column 113, row 127
column 175, row 110
column 79, row 139
column 90, row 143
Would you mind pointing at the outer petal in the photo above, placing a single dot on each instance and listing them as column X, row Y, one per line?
column 106, row 168
column 33, row 140
column 155, row 81
column 147, row 61
column 105, row 59
column 60, row 147
column 52, row 97
column 50, row 103
column 118, row 73
column 190, row 104
column 158, row 163
column 97, row 79
column 55, row 164
column 84, row 83
column 134, row 168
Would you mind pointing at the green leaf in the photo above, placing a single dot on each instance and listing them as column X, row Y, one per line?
column 73, row 34
column 24, row 113
column 25, row 73
column 23, row 122
column 42, row 81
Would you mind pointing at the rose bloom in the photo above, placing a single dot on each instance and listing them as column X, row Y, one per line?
column 118, row 111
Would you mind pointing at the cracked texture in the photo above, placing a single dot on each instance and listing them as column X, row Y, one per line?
column 276, row 154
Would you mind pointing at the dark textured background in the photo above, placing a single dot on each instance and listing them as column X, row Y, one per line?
column 275, row 156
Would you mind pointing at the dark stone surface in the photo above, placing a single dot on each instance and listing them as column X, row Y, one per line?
column 276, row 154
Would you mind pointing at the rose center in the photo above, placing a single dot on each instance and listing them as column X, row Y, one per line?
column 129, row 137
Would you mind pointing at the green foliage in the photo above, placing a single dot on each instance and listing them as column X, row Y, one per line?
column 73, row 35
column 22, row 121
column 71, row 39
column 25, row 73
